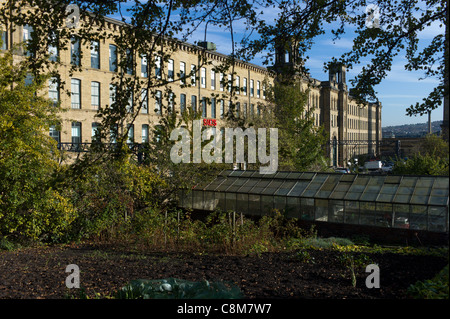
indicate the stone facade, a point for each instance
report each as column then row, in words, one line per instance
column 353, row 129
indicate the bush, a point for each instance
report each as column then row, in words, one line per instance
column 436, row 288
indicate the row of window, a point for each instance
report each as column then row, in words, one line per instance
column 76, row 136
column 96, row 90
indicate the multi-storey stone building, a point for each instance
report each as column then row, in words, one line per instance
column 353, row 129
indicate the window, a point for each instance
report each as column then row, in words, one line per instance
column 258, row 89
column 113, row 133
column 130, row 102
column 182, row 103
column 144, row 101
column 75, row 94
column 53, row 47
column 213, row 107
column 53, row 90
column 144, row 70
column 129, row 62
column 95, row 95
column 75, row 51
column 213, row 80
column 171, row 102
column 203, row 78
column 95, row 56
column 251, row 88
column 238, row 109
column 158, row 102
column 95, row 132
column 112, row 58
column 204, row 106
column 130, row 137
column 55, row 134
column 194, row 103
column 252, row 110
column 27, row 32
column 222, row 108
column 183, row 72
column 144, row 133
column 245, row 110
column 238, row 85
column 193, row 77
column 170, row 73
column 229, row 84
column 245, row 86
column 158, row 67
column 4, row 35
column 76, row 132
column 221, row 81
column 112, row 94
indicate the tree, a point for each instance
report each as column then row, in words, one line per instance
column 30, row 207
column 300, row 143
column 396, row 32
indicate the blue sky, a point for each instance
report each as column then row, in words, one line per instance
column 397, row 91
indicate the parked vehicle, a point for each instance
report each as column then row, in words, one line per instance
column 373, row 165
column 344, row 170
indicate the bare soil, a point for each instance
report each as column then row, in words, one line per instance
column 40, row 273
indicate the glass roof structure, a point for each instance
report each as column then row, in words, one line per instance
column 419, row 202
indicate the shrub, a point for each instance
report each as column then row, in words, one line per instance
column 436, row 288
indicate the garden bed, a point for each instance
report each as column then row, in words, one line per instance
column 308, row 273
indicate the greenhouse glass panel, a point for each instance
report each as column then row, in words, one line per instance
column 254, row 204
column 387, row 193
column 227, row 183
column 221, row 201
column 341, row 190
column 197, row 199
column 285, row 188
column 266, row 205
column 298, row 189
column 355, row 191
column 418, row 217
column 307, row 208
column 230, row 201
column 216, row 183
column 294, row 175
column 328, row 186
column 321, row 212
column 437, row 219
column 210, row 201
column 245, row 188
column 279, row 202
column 236, row 185
column 372, row 189
column 307, row 176
column 351, row 212
column 336, row 211
column 367, row 211
column 314, row 186
column 422, row 191
column 242, row 203
column 260, row 186
column 293, row 207
column 281, row 175
column 383, row 217
column 272, row 187
column 401, row 216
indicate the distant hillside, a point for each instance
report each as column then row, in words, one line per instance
column 411, row 130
